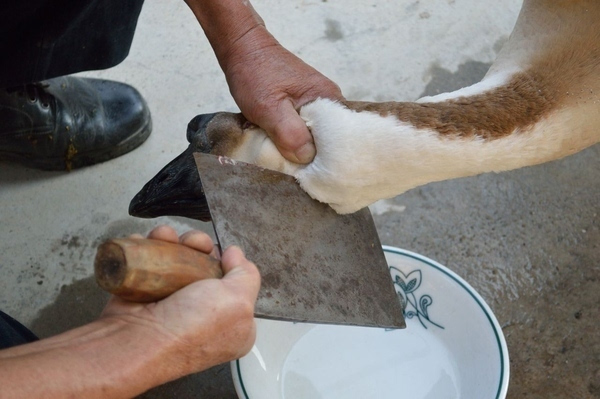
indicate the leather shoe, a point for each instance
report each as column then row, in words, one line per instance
column 67, row 122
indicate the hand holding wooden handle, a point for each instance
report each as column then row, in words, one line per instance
column 147, row 270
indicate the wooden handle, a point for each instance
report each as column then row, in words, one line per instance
column 145, row 270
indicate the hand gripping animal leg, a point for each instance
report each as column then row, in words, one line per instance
column 539, row 101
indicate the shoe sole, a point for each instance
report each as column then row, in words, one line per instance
column 81, row 159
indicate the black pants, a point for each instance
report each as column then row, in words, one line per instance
column 13, row 333
column 42, row 39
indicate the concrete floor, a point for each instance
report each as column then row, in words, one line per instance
column 528, row 240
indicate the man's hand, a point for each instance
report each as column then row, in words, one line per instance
column 268, row 83
column 134, row 347
column 211, row 321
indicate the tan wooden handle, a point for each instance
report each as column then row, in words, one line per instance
column 146, row 270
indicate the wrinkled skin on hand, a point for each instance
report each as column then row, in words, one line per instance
column 209, row 321
column 270, row 84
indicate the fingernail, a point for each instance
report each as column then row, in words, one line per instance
column 306, row 153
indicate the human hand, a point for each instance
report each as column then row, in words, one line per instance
column 208, row 322
column 267, row 82
column 270, row 84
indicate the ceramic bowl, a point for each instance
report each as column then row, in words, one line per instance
column 452, row 347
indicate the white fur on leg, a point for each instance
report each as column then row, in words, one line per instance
column 359, row 156
column 363, row 157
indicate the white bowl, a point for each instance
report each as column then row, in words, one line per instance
column 452, row 347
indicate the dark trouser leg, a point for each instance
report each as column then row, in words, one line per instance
column 13, row 333
column 42, row 39
column 67, row 122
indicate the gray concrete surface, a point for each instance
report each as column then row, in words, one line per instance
column 527, row 240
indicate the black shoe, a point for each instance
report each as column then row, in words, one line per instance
column 66, row 123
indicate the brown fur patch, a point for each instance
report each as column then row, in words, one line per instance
column 565, row 75
column 495, row 114
column 225, row 132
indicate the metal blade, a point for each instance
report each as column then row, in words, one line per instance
column 316, row 266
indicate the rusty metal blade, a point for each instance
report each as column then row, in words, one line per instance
column 316, row 266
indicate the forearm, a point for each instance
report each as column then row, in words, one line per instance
column 134, row 347
column 104, row 359
column 231, row 26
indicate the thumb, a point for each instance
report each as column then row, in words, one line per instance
column 240, row 273
column 290, row 134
